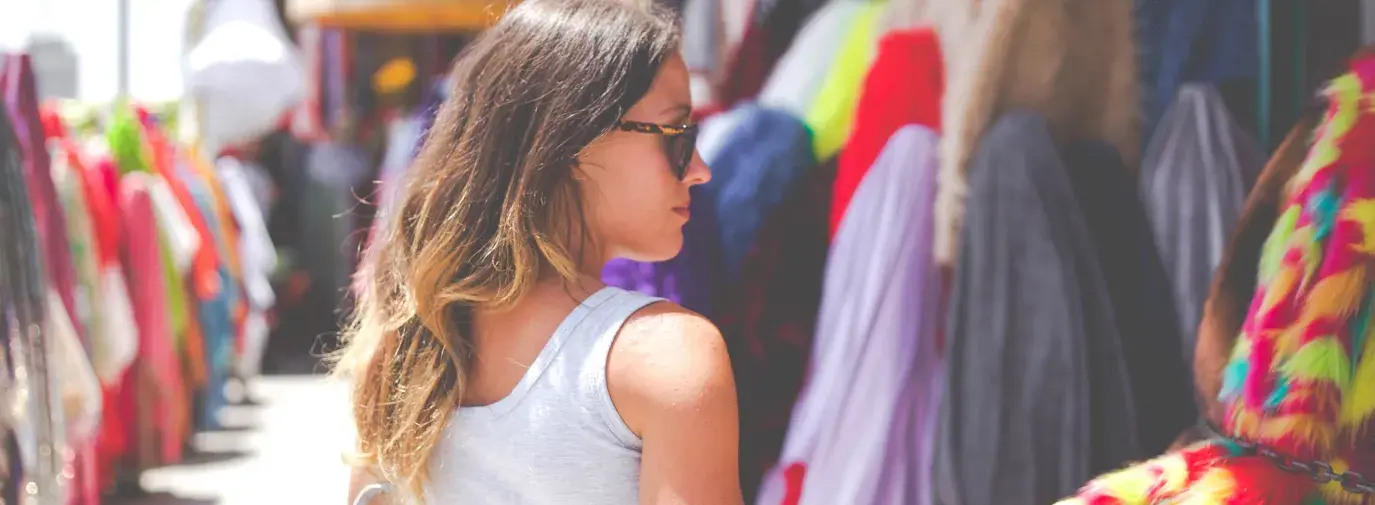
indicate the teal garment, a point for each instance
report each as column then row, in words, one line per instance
column 216, row 315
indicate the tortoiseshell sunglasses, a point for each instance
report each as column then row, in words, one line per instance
column 680, row 142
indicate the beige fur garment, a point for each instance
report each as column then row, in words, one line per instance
column 1073, row 61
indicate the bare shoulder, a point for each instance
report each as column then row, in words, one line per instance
column 668, row 359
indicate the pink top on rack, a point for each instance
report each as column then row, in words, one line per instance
column 144, row 268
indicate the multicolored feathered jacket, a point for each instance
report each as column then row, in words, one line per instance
column 1300, row 383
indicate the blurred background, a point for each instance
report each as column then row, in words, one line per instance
column 187, row 185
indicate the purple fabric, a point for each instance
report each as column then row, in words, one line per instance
column 691, row 278
column 875, row 361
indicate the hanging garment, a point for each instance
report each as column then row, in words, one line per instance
column 214, row 316
column 797, row 78
column 767, row 37
column 21, row 100
column 74, row 383
column 756, row 167
column 228, row 240
column 1192, row 41
column 33, row 413
column 75, row 390
column 1300, row 378
column 1234, row 282
column 159, row 371
column 165, row 161
column 690, row 279
column 85, row 253
column 1140, row 292
column 1037, row 395
column 258, row 258
column 904, row 86
column 832, row 115
column 864, row 425
column 1194, row 178
column 769, row 320
column 81, row 240
column 112, row 340
column 1073, row 61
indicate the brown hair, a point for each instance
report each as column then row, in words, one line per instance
column 489, row 206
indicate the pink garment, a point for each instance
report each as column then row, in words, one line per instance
column 144, row 268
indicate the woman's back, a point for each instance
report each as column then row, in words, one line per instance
column 557, row 437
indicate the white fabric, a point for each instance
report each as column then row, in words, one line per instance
column 77, row 386
column 257, row 257
column 182, row 238
column 244, row 73
column 798, row 76
column 117, row 347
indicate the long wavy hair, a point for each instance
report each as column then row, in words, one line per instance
column 489, row 207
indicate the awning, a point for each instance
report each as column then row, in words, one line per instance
column 400, row 15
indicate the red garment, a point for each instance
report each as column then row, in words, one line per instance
column 904, row 86
column 112, row 443
column 793, row 477
column 157, row 379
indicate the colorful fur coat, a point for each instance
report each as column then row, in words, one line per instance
column 1301, row 377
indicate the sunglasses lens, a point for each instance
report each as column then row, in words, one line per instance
column 681, row 149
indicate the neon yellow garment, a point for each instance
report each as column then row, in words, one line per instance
column 832, row 116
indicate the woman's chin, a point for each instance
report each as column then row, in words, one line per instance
column 663, row 250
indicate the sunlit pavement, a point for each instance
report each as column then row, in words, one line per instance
column 287, row 449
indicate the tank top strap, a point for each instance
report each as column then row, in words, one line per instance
column 601, row 330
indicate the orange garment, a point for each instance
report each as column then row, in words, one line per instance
column 193, row 354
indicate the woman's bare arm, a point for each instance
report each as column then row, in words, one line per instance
column 671, row 380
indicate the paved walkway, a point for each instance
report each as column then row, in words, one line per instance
column 286, row 449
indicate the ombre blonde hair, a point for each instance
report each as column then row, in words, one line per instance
column 489, row 206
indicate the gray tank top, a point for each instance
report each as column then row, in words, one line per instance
column 557, row 438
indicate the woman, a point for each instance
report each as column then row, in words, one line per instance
column 490, row 364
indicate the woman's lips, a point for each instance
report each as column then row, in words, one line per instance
column 683, row 211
